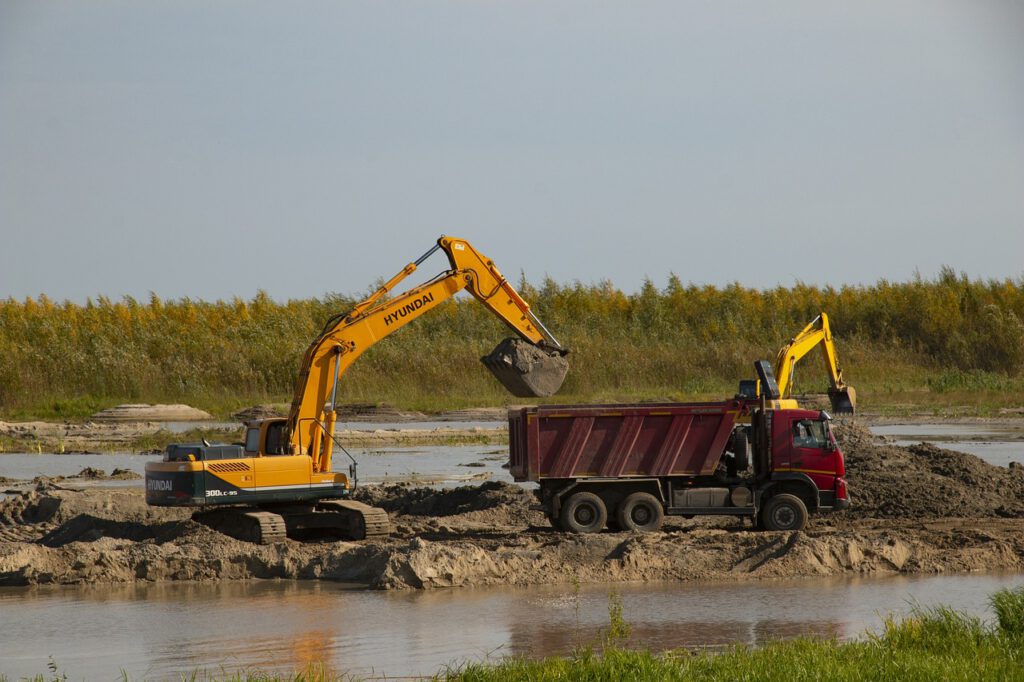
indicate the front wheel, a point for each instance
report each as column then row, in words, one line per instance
column 641, row 512
column 584, row 513
column 784, row 512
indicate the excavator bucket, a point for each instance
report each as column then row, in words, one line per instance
column 526, row 370
column 844, row 400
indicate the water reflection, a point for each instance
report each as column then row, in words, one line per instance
column 157, row 631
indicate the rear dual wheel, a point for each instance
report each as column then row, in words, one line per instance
column 583, row 513
column 640, row 512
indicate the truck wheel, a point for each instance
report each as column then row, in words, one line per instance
column 640, row 511
column 784, row 512
column 584, row 513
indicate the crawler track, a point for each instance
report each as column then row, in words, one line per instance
column 259, row 527
column 363, row 521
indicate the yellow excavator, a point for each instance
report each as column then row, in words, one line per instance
column 817, row 334
column 281, row 481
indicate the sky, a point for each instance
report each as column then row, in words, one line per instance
column 216, row 149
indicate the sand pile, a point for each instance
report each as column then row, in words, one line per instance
column 916, row 510
column 924, row 481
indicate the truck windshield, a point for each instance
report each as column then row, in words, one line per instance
column 810, row 434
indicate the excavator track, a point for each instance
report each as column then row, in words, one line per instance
column 259, row 527
column 364, row 522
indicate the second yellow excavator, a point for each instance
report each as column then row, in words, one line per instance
column 817, row 334
column 281, row 480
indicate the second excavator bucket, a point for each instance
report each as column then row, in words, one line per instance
column 844, row 400
column 526, row 370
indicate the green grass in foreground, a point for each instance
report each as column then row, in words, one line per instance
column 935, row 643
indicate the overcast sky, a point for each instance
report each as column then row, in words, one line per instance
column 212, row 149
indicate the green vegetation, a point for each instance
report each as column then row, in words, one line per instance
column 949, row 343
column 931, row 644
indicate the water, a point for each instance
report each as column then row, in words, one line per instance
column 443, row 464
column 428, row 464
column 998, row 445
column 158, row 631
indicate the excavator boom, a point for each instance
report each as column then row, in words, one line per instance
column 534, row 368
column 816, row 334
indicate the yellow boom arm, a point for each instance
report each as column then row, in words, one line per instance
column 817, row 333
column 345, row 337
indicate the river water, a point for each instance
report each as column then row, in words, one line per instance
column 454, row 464
column 427, row 464
column 159, row 631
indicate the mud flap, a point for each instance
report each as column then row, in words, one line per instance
column 844, row 401
column 526, row 370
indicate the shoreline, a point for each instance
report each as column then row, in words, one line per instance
column 150, row 437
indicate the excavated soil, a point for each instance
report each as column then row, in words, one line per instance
column 916, row 510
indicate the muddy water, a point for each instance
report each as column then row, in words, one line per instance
column 157, row 631
column 426, row 464
column 995, row 445
column 448, row 464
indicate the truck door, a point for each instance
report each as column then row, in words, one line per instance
column 813, row 451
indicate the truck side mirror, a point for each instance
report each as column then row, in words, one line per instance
column 830, row 445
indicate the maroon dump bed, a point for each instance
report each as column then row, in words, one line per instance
column 578, row 441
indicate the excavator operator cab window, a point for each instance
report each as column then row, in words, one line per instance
column 808, row 433
column 252, row 440
column 275, row 439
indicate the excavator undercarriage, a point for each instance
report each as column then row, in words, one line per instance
column 326, row 519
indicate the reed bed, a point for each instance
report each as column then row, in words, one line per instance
column 947, row 340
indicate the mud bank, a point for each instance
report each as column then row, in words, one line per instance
column 917, row 510
column 147, row 437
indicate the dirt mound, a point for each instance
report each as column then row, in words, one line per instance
column 146, row 413
column 259, row 412
column 400, row 499
column 93, row 474
column 924, row 481
column 372, row 412
column 484, row 535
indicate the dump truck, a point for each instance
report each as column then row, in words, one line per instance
column 281, row 481
column 628, row 466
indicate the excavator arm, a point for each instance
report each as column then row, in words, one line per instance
column 816, row 334
column 310, row 424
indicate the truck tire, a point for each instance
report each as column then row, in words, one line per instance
column 583, row 513
column 784, row 512
column 641, row 512
column 741, row 450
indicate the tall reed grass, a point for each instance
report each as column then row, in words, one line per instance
column 947, row 335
